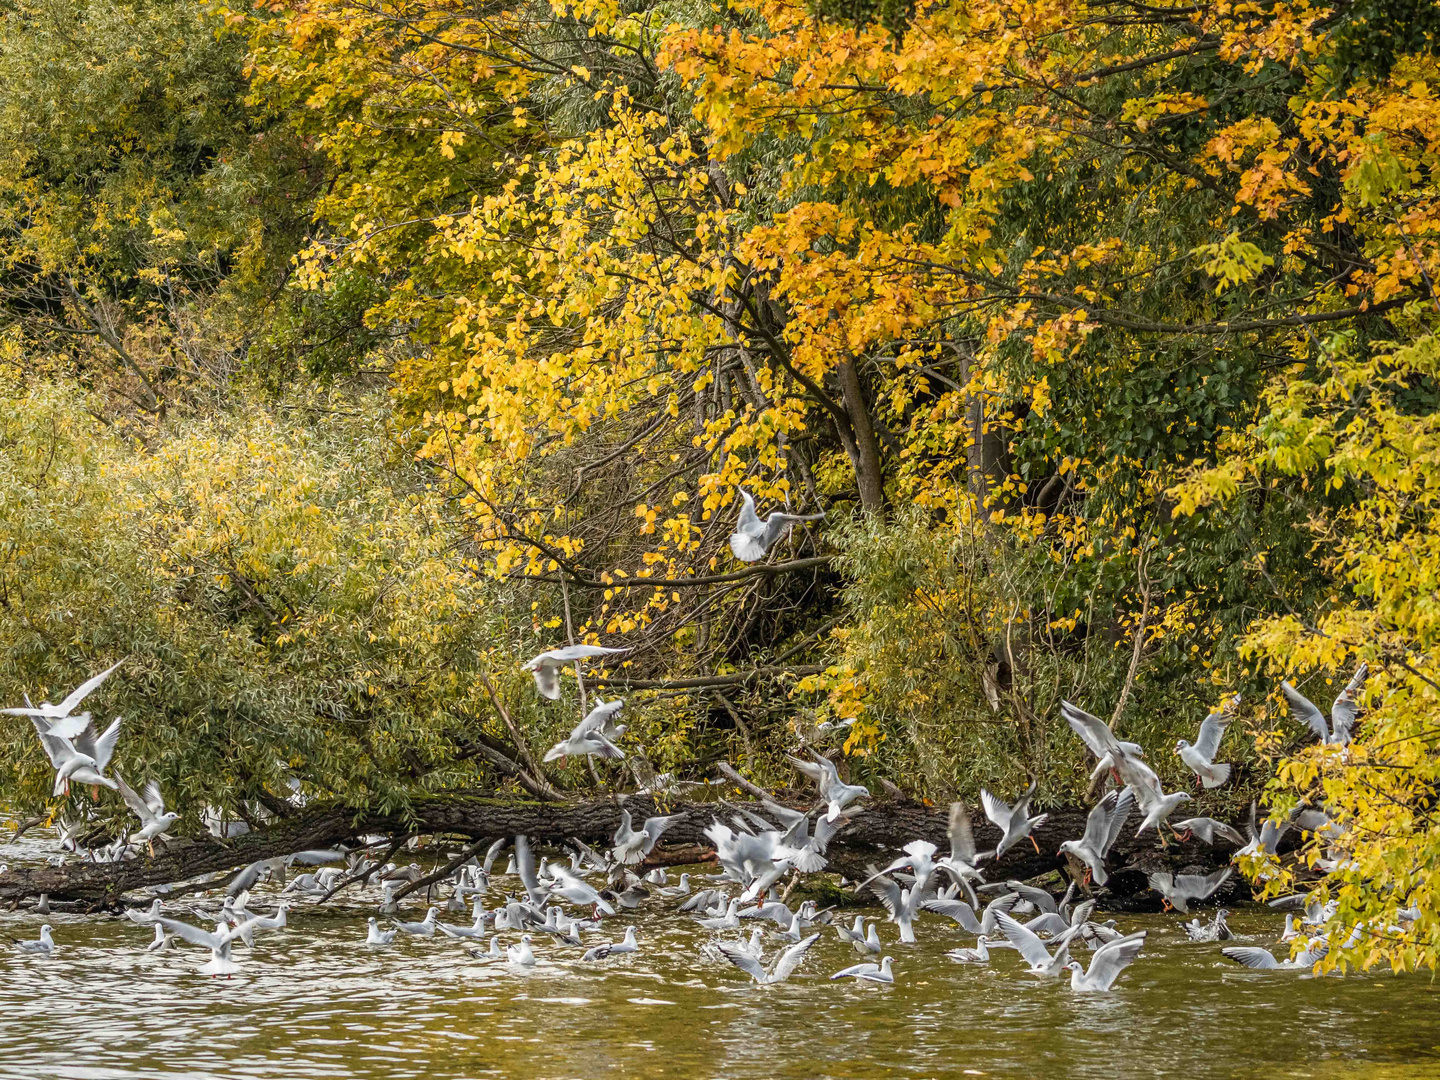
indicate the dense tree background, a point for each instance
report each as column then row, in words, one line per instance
column 353, row 352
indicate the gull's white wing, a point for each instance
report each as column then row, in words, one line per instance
column 997, row 811
column 83, row 691
column 962, row 838
column 1252, row 956
column 194, row 934
column 579, row 652
column 154, row 799
column 744, row 961
column 1347, row 705
column 101, row 748
column 134, row 801
column 1304, row 710
column 1026, row 943
column 791, row 957
column 1119, row 814
column 1212, row 730
column 1114, row 957
column 56, row 749
column 70, row 726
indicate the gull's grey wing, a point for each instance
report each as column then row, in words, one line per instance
column 525, row 866
column 1114, row 957
column 958, row 910
column 1022, row 804
column 744, row 961
column 1119, row 814
column 1026, row 943
column 1097, row 823
column 1042, row 900
column 1093, row 731
column 962, row 838
column 1252, row 956
column 810, row 769
column 193, row 934
column 886, row 890
column 81, row 692
column 1197, row 886
column 1212, row 730
column 597, row 717
column 1347, row 705
column 1304, row 710
column 791, row 957
column 134, row 801
column 655, row 827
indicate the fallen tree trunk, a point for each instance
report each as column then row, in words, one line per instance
column 874, row 834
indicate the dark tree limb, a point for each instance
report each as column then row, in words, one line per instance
column 873, row 830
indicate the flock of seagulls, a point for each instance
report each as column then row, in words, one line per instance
column 761, row 853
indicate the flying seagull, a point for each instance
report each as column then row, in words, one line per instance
column 81, row 758
column 58, row 721
column 1200, row 758
column 1336, row 730
column 546, row 667
column 1102, row 829
column 1014, row 822
column 753, row 538
column 155, row 820
column 837, row 795
column 1105, row 966
column 592, row 735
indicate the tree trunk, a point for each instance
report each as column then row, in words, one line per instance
column 864, row 450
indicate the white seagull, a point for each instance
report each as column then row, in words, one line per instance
column 753, row 538
column 45, row 944
column 1102, row 829
column 81, row 758
column 879, row 973
column 155, row 820
column 58, row 721
column 837, row 794
column 784, row 966
column 546, row 667
column 1200, row 757
column 1014, row 822
column 1105, row 966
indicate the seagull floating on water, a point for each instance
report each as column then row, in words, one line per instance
column 878, row 973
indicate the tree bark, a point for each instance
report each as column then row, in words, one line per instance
column 863, row 448
column 872, row 835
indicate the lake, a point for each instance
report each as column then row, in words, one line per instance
column 313, row 1001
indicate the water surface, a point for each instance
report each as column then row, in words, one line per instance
column 313, row 1001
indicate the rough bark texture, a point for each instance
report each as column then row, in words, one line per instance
column 873, row 835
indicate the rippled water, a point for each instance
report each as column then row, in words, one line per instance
column 313, row 1001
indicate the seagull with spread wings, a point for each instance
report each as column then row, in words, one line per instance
column 752, row 539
